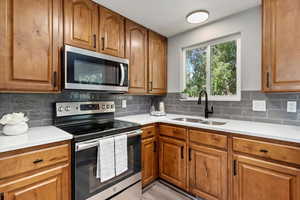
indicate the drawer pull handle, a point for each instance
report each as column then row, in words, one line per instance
column 38, row 161
column 149, row 132
column 264, row 151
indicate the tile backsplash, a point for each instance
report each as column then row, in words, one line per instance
column 40, row 107
column 276, row 105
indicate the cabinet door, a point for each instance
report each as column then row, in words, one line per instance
column 81, row 23
column 149, row 160
column 281, row 46
column 112, row 37
column 208, row 172
column 137, row 53
column 172, row 161
column 30, row 41
column 51, row 184
column 261, row 180
column 157, row 64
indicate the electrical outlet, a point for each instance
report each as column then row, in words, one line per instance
column 259, row 105
column 291, row 106
column 124, row 103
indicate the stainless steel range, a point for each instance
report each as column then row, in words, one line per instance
column 90, row 122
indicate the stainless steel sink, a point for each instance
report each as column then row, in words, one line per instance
column 193, row 120
column 213, row 123
column 206, row 122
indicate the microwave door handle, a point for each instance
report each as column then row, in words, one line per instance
column 122, row 74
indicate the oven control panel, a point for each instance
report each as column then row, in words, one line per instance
column 82, row 108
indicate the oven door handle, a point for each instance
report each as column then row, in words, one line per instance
column 122, row 74
column 88, row 145
column 93, row 143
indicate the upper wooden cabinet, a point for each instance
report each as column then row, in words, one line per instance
column 256, row 179
column 172, row 161
column 112, row 36
column 281, row 46
column 81, row 23
column 30, row 41
column 137, row 53
column 157, row 63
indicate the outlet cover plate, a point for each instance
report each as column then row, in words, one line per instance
column 124, row 103
column 291, row 106
column 259, row 105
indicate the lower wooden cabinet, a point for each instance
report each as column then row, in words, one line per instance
column 208, row 172
column 198, row 162
column 50, row 184
column 262, row 180
column 49, row 179
column 149, row 160
column 172, row 161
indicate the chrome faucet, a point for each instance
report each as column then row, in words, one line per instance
column 206, row 111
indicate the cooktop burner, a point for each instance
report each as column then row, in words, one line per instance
column 97, row 127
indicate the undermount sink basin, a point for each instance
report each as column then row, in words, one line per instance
column 213, row 123
column 189, row 120
column 206, row 122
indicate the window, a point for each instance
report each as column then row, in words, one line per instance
column 214, row 67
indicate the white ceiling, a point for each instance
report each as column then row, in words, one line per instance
column 167, row 17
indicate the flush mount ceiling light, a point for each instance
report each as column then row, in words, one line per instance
column 197, row 17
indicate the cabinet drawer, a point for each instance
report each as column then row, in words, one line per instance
column 33, row 160
column 206, row 138
column 148, row 131
column 172, row 131
column 273, row 151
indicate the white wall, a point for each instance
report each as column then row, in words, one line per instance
column 247, row 23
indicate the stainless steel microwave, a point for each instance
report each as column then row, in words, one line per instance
column 89, row 70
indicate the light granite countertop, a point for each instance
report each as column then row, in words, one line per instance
column 34, row 137
column 265, row 130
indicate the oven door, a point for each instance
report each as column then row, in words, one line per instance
column 87, row 186
column 88, row 70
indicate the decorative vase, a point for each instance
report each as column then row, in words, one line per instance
column 15, row 129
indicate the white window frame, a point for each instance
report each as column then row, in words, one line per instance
column 237, row 97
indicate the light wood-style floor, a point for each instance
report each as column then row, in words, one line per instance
column 158, row 191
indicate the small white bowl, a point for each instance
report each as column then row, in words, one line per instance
column 15, row 129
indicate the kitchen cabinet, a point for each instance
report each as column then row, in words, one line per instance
column 30, row 42
column 137, row 53
column 149, row 159
column 208, row 172
column 112, row 36
column 149, row 155
column 281, row 46
column 81, row 23
column 40, row 173
column 157, row 72
column 172, row 161
column 50, row 184
column 262, row 180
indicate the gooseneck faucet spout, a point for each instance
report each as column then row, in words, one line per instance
column 206, row 111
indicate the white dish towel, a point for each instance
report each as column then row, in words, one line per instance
column 121, row 154
column 106, row 159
